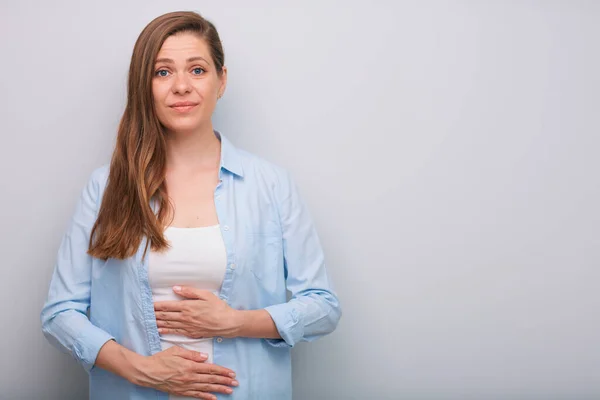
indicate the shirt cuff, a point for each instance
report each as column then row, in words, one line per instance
column 288, row 325
column 88, row 346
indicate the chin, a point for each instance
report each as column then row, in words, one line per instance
column 184, row 126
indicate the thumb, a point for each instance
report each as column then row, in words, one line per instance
column 191, row 292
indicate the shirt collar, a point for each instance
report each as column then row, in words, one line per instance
column 230, row 158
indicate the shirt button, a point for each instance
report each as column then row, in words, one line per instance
column 218, row 197
column 232, row 266
column 225, row 228
column 219, row 339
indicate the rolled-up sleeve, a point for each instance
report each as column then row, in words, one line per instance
column 314, row 309
column 64, row 315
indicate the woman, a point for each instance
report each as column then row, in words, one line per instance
column 183, row 248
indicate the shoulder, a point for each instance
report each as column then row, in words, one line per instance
column 99, row 175
column 270, row 179
column 262, row 169
column 97, row 181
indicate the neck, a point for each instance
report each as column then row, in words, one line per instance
column 193, row 150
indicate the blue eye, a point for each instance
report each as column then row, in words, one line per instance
column 196, row 71
column 162, row 73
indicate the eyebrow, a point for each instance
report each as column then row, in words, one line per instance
column 191, row 59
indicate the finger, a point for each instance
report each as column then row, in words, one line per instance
column 193, row 293
column 178, row 331
column 215, row 379
column 209, row 387
column 213, row 369
column 173, row 306
column 169, row 316
column 171, row 324
column 189, row 354
column 199, row 395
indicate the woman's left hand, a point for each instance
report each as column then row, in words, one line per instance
column 202, row 315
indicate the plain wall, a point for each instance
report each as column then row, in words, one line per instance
column 448, row 151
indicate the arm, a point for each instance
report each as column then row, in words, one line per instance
column 314, row 309
column 119, row 360
column 312, row 312
column 64, row 315
column 255, row 324
column 175, row 370
column 66, row 325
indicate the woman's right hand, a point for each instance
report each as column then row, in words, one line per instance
column 184, row 372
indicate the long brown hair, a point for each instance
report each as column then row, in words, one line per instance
column 137, row 168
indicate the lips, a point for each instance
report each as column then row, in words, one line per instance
column 183, row 106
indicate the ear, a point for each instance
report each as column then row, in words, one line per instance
column 223, row 84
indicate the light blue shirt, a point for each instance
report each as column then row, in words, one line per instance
column 272, row 246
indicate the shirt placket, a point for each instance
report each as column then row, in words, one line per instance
column 223, row 204
column 146, row 298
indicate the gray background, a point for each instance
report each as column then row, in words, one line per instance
column 448, row 152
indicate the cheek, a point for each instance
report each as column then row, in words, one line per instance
column 206, row 90
column 156, row 89
column 160, row 90
column 159, row 99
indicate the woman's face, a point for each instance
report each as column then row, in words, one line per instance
column 186, row 85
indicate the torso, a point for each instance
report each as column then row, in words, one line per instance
column 198, row 258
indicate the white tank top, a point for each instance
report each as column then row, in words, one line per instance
column 197, row 258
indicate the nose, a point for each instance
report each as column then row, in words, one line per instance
column 181, row 84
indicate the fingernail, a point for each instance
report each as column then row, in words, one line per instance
column 232, row 374
column 160, row 330
column 177, row 288
column 203, row 355
column 229, row 390
column 234, row 383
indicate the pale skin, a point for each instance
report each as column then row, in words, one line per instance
column 185, row 72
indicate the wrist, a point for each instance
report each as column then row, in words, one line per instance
column 121, row 361
column 237, row 323
column 135, row 368
column 254, row 324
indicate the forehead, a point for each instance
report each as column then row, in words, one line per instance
column 182, row 46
